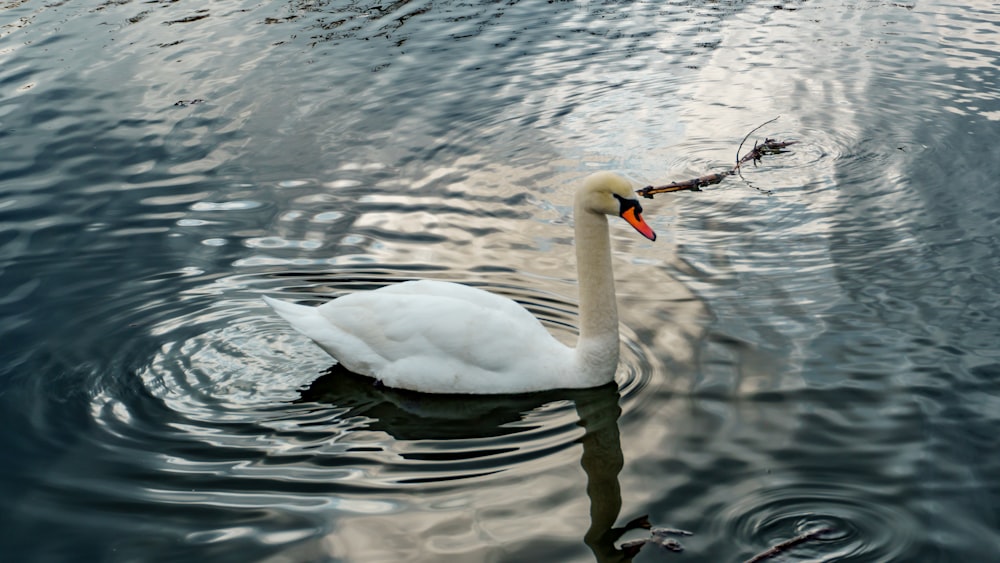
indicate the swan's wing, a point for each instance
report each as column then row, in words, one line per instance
column 447, row 338
column 435, row 337
column 450, row 290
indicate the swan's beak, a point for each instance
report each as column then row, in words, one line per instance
column 633, row 215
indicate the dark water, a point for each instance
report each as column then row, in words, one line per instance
column 817, row 345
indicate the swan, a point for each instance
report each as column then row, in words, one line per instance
column 443, row 337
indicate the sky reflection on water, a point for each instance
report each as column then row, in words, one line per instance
column 819, row 351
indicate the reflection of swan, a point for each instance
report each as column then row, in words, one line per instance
column 409, row 415
column 602, row 460
column 440, row 337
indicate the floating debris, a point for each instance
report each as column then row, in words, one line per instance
column 769, row 146
column 788, row 544
column 658, row 536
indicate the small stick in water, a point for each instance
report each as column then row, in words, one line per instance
column 788, row 544
column 769, row 146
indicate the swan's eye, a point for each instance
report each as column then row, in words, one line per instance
column 626, row 204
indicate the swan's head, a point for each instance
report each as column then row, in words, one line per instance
column 610, row 194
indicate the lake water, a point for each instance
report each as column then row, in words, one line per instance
column 815, row 345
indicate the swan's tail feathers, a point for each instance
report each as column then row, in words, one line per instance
column 308, row 321
column 288, row 311
column 303, row 318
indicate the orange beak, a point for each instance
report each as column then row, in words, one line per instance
column 634, row 218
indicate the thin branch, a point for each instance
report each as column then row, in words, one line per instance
column 769, row 146
column 694, row 184
column 752, row 131
column 788, row 544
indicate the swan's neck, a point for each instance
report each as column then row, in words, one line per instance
column 597, row 349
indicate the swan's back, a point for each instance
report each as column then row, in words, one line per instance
column 436, row 337
column 473, row 296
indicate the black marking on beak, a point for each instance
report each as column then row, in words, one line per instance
column 631, row 211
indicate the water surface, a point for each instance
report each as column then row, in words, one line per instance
column 813, row 345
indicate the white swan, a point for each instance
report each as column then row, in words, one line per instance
column 442, row 337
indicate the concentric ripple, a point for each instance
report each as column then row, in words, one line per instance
column 235, row 378
column 846, row 525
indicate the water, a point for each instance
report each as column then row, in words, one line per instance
column 813, row 346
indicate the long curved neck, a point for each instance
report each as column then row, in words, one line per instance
column 597, row 349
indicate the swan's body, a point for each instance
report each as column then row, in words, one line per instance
column 442, row 337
